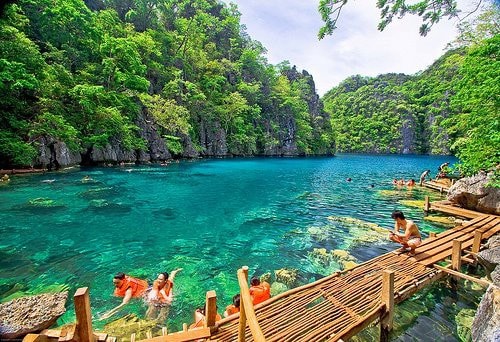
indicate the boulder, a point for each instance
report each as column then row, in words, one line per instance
column 486, row 324
column 26, row 315
column 473, row 193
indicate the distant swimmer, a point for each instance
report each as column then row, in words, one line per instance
column 411, row 182
column 5, row 178
column 86, row 179
column 349, row 179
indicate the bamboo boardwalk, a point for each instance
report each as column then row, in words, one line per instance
column 330, row 308
column 452, row 209
column 442, row 185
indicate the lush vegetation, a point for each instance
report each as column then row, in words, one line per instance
column 101, row 73
column 85, row 72
column 452, row 107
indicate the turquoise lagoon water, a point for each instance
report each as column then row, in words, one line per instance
column 209, row 217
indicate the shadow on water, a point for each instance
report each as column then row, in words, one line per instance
column 165, row 213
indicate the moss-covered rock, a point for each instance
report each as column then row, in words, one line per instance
column 125, row 326
column 286, row 276
column 464, row 323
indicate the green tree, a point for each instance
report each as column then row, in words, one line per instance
column 431, row 11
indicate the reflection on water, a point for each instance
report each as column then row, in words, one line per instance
column 209, row 217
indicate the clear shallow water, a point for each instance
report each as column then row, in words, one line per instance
column 209, row 217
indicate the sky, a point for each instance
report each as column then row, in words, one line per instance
column 288, row 30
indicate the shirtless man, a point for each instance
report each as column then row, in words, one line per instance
column 410, row 238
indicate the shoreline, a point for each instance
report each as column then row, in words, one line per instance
column 22, row 171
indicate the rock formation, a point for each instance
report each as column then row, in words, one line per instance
column 25, row 315
column 473, row 193
column 486, row 324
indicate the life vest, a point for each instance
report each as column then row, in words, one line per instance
column 165, row 291
column 138, row 287
column 260, row 292
column 231, row 309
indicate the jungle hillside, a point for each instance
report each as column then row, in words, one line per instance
column 108, row 81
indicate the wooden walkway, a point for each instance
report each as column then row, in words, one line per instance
column 442, row 185
column 452, row 209
column 332, row 308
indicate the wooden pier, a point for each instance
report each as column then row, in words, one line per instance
column 333, row 308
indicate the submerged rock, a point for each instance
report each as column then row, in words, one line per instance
column 464, row 322
column 286, row 276
column 449, row 221
column 130, row 324
column 31, row 314
column 277, row 288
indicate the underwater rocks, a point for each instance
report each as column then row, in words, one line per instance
column 130, row 324
column 447, row 221
column 31, row 314
column 287, row 276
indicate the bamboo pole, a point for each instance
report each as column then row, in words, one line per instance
column 243, row 317
column 210, row 308
column 482, row 282
column 387, row 294
column 83, row 315
column 456, row 255
column 476, row 245
column 248, row 308
column 427, row 204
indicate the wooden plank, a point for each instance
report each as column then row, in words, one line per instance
column 482, row 282
column 257, row 334
column 242, row 322
column 35, row 338
column 387, row 298
column 210, row 308
column 191, row 335
column 83, row 315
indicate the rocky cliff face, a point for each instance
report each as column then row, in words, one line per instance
column 280, row 137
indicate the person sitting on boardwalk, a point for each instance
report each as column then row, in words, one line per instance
column 161, row 295
column 410, row 238
column 423, row 176
column 443, row 170
column 127, row 287
column 200, row 319
column 233, row 308
column 259, row 291
column 411, row 182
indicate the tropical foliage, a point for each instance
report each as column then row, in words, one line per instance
column 85, row 72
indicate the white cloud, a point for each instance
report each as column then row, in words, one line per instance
column 288, row 30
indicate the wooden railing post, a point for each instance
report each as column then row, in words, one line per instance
column 210, row 309
column 243, row 318
column 83, row 315
column 387, row 298
column 427, row 204
column 456, row 256
column 432, row 235
column 248, row 309
column 476, row 245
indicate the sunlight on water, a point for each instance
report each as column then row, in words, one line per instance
column 209, row 217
